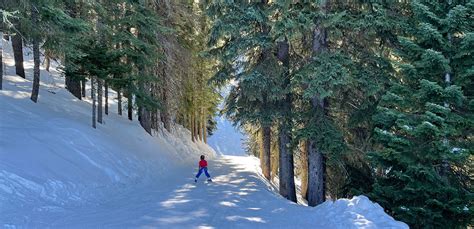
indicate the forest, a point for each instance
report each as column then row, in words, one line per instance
column 342, row 97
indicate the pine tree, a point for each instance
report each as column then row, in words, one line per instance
column 257, row 70
column 424, row 124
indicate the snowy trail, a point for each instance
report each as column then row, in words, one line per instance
column 236, row 198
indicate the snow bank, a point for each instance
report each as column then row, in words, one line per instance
column 358, row 212
column 50, row 155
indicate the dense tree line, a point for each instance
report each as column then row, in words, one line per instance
column 361, row 96
column 148, row 52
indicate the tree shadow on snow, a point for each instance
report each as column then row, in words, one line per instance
column 236, row 198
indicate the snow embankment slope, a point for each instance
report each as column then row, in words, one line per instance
column 50, row 156
column 57, row 171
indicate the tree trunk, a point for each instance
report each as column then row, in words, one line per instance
column 316, row 172
column 17, row 44
column 73, row 84
column 265, row 161
column 192, row 128
column 143, row 113
column 304, row 170
column 36, row 57
column 93, row 101
column 1, row 61
column 83, row 88
column 119, row 104
column 144, row 118
column 99, row 100
column 165, row 114
column 106, row 85
column 199, row 126
column 204, row 129
column 287, row 174
column 47, row 60
column 316, row 167
column 196, row 134
column 130, row 105
column 447, row 79
column 275, row 158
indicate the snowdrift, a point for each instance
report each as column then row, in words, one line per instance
column 57, row 171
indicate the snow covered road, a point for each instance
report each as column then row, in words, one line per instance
column 238, row 198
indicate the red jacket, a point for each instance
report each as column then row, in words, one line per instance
column 202, row 163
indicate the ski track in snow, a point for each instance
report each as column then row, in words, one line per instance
column 58, row 172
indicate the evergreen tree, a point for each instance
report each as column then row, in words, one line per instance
column 246, row 54
column 424, row 121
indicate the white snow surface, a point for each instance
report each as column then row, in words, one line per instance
column 227, row 139
column 57, row 171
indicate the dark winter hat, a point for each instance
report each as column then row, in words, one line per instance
column 202, row 157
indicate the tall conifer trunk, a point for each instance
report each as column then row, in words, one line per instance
column 106, row 107
column 275, row 156
column 83, row 87
column 204, row 128
column 119, row 103
column 93, row 95
column 265, row 160
column 196, row 127
column 316, row 162
column 36, row 56
column 165, row 114
column 192, row 128
column 99, row 100
column 199, row 126
column 73, row 84
column 144, row 118
column 130, row 105
column 17, row 44
column 47, row 60
column 304, row 169
column 287, row 174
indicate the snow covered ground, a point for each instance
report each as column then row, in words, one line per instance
column 56, row 171
column 227, row 139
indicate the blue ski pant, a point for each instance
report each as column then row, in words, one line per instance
column 205, row 171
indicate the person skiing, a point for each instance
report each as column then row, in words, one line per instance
column 203, row 167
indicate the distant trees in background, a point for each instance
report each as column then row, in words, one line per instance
column 362, row 97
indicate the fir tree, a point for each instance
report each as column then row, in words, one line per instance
column 424, row 121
